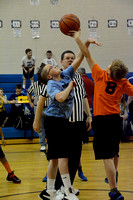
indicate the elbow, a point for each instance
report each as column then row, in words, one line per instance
column 61, row 99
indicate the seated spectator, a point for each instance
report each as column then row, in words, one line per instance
column 17, row 109
column 3, row 113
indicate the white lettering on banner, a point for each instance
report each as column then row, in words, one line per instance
column 15, row 23
column 54, row 23
column 112, row 23
column 129, row 22
column 92, row 24
column 34, row 24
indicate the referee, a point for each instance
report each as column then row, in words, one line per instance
column 36, row 88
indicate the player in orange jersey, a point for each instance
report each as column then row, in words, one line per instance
column 109, row 87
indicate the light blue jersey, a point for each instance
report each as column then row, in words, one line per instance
column 60, row 109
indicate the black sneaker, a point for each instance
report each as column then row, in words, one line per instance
column 11, row 177
column 47, row 194
column 116, row 196
column 106, row 179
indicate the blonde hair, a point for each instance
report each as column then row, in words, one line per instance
column 118, row 70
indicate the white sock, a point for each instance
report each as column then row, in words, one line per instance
column 50, row 184
column 24, row 86
column 66, row 180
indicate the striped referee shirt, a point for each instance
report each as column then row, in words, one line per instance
column 79, row 95
column 37, row 88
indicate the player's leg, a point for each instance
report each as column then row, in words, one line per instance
column 116, row 161
column 110, row 172
column 64, row 171
column 11, row 176
column 50, row 192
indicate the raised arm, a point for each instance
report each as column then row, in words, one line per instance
column 84, row 48
column 76, row 63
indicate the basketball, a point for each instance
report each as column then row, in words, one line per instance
column 68, row 23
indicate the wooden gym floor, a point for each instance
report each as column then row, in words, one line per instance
column 30, row 166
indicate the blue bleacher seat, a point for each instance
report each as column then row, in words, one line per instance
column 8, row 82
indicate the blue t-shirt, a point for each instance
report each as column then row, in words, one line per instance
column 60, row 109
column 14, row 96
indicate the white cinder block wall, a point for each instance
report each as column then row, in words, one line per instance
column 116, row 43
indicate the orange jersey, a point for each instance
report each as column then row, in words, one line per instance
column 108, row 92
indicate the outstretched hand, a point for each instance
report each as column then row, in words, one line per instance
column 74, row 34
column 92, row 41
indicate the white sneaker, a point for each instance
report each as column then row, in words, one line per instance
column 74, row 190
column 70, row 195
column 59, row 195
column 43, row 148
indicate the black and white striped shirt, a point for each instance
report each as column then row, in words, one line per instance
column 37, row 88
column 79, row 95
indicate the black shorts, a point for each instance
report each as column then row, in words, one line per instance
column 107, row 134
column 2, row 155
column 28, row 75
column 3, row 116
column 75, row 139
column 57, row 133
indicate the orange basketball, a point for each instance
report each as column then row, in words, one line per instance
column 68, row 23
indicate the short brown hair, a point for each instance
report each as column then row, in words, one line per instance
column 118, row 70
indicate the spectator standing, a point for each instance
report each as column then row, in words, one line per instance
column 28, row 66
column 49, row 60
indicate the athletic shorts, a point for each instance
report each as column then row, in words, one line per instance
column 2, row 155
column 57, row 133
column 107, row 134
column 3, row 116
column 28, row 75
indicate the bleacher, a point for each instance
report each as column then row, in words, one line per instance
column 8, row 83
